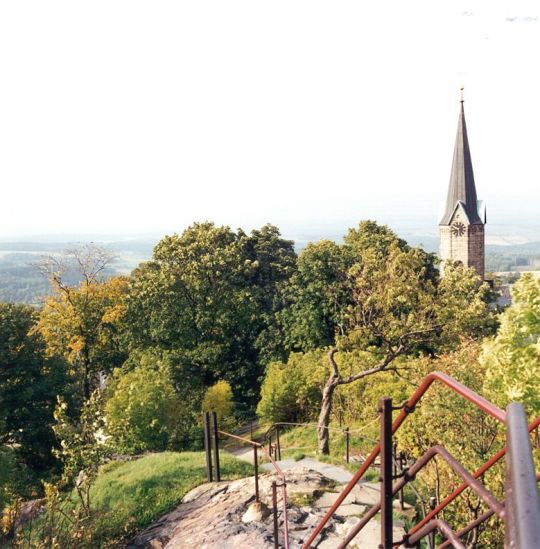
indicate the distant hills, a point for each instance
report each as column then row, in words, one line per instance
column 21, row 282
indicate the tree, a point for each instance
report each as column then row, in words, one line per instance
column 83, row 323
column 399, row 306
column 317, row 297
column 512, row 357
column 29, row 384
column 206, row 296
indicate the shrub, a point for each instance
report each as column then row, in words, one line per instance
column 219, row 398
column 142, row 411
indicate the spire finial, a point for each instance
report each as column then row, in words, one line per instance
column 461, row 90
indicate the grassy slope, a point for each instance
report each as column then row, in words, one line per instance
column 146, row 488
column 127, row 497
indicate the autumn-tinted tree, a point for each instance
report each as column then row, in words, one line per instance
column 469, row 434
column 83, row 323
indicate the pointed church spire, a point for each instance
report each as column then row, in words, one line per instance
column 461, row 187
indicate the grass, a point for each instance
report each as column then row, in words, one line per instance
column 126, row 497
column 302, row 441
column 150, row 486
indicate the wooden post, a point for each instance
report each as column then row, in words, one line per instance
column 347, row 444
column 278, row 446
column 216, row 446
column 207, row 445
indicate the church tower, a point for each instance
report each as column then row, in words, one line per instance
column 461, row 229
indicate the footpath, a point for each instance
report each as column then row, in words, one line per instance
column 224, row 515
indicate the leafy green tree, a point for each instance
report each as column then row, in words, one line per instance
column 392, row 303
column 317, row 297
column 512, row 357
column 206, row 296
column 291, row 391
column 29, row 384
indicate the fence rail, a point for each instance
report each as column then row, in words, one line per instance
column 213, row 442
column 521, row 509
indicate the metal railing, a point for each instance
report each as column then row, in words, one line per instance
column 211, row 442
column 520, row 511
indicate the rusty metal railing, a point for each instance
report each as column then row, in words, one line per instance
column 213, row 442
column 525, row 516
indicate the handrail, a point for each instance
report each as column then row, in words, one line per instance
column 479, row 472
column 279, row 472
column 522, row 501
column 476, row 522
column 496, row 506
column 453, row 384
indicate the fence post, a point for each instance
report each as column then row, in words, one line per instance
column 401, row 494
column 278, row 446
column 386, row 473
column 431, row 539
column 274, row 511
column 216, row 446
column 347, row 444
column 270, row 444
column 207, row 446
column 256, row 470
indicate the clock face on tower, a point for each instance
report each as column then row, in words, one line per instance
column 458, row 229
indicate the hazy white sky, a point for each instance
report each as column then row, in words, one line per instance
column 129, row 116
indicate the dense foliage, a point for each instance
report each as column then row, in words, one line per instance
column 209, row 295
column 226, row 321
column 29, row 384
column 512, row 357
column 142, row 410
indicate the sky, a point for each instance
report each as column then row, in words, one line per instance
column 142, row 117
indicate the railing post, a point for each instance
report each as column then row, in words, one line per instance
column 256, row 470
column 270, row 444
column 401, row 495
column 386, row 473
column 274, row 512
column 278, row 446
column 207, row 446
column 216, row 446
column 431, row 539
column 347, row 444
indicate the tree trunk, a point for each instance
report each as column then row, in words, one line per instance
column 324, row 416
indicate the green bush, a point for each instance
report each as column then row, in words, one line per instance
column 142, row 411
column 219, row 398
column 292, row 391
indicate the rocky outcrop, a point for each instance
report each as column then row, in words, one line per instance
column 214, row 515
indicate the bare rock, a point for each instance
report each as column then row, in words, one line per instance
column 256, row 512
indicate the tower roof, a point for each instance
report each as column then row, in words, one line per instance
column 461, row 188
